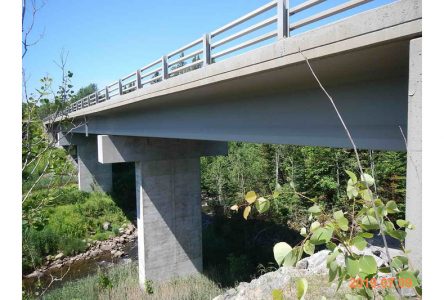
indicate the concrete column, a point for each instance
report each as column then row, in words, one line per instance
column 92, row 175
column 168, row 200
column 414, row 154
column 169, row 218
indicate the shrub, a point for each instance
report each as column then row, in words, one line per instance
column 238, row 266
column 67, row 220
column 100, row 208
column 70, row 246
column 36, row 245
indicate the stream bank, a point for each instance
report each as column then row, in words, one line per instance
column 99, row 254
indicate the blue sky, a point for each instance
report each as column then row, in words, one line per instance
column 109, row 39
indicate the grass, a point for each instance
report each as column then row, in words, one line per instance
column 125, row 285
column 122, row 283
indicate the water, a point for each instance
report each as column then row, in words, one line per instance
column 82, row 268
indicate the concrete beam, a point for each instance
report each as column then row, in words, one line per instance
column 92, row 175
column 414, row 154
column 115, row 149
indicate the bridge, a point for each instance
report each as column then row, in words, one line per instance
column 253, row 85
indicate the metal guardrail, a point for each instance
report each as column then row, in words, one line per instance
column 206, row 50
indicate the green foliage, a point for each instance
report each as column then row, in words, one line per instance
column 103, row 281
column 283, row 169
column 37, row 244
column 149, row 287
column 301, row 288
column 237, row 266
column 84, row 91
column 364, row 214
column 67, row 218
column 71, row 246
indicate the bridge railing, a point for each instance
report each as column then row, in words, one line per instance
column 275, row 20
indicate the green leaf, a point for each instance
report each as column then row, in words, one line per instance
column 392, row 208
column 351, row 266
column 292, row 184
column 250, row 197
column 367, row 179
column 315, row 225
column 397, row 234
column 399, row 262
column 309, row 248
column 352, row 191
column 262, row 205
column 389, row 226
column 301, row 288
column 359, row 242
column 276, row 194
column 367, row 265
column 355, row 297
column 384, row 270
column 332, row 257
column 338, row 214
column 291, row 259
column 352, row 176
column 408, row 274
column 277, row 294
column 247, row 211
column 331, row 246
column 332, row 271
column 366, row 235
column 389, row 297
column 343, row 223
column 321, row 236
column 369, row 223
column 366, row 194
column 303, row 232
column 280, row 251
column 315, row 209
column 404, row 223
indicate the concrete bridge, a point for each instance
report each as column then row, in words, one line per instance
column 190, row 102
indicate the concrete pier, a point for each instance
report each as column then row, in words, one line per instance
column 168, row 200
column 92, row 175
column 414, row 154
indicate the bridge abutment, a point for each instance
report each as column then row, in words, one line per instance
column 168, row 200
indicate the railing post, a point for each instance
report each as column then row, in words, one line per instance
column 120, row 87
column 206, row 49
column 283, row 19
column 138, row 80
column 97, row 97
column 164, row 67
column 106, row 93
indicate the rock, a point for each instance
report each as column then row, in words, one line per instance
column 262, row 287
column 106, row 247
column 59, row 256
column 128, row 232
column 118, row 254
column 121, row 240
column 131, row 228
column 106, row 225
column 35, row 274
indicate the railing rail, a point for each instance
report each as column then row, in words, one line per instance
column 215, row 45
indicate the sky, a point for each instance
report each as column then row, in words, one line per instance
column 109, row 39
